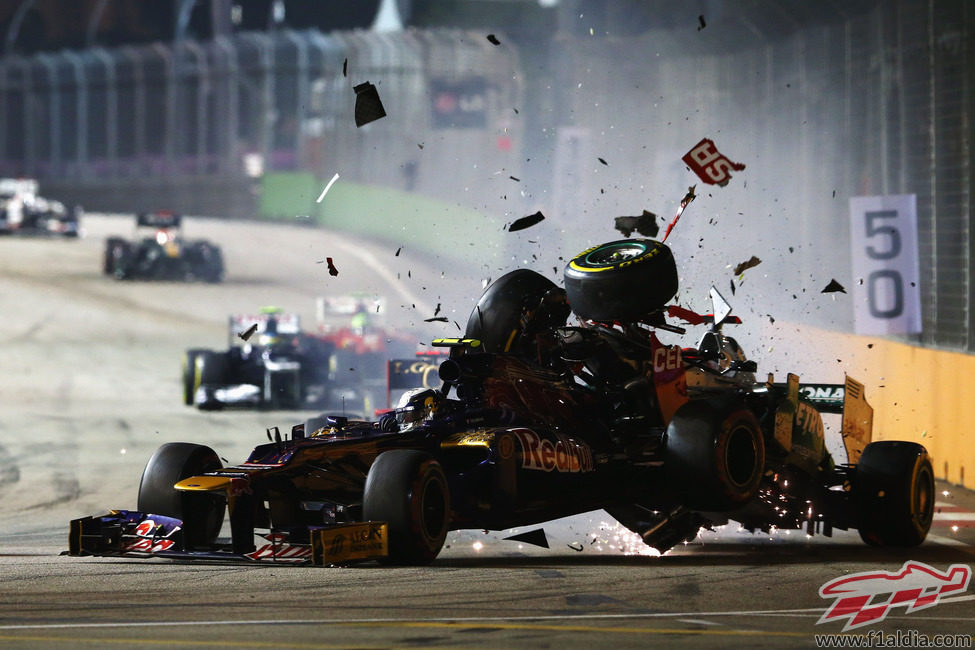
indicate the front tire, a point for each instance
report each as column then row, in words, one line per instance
column 408, row 490
column 201, row 512
column 894, row 493
column 189, row 374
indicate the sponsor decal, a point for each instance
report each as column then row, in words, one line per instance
column 822, row 392
column 279, row 550
column 413, row 373
column 667, row 358
column 562, row 455
column 709, row 164
column 866, row 598
column 350, row 542
column 148, row 545
column 153, row 537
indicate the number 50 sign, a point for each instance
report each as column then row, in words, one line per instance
column 883, row 232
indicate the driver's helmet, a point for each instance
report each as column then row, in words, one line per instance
column 416, row 406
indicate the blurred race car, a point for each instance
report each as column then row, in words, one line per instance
column 165, row 255
column 538, row 420
column 23, row 211
column 272, row 363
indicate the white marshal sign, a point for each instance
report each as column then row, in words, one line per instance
column 886, row 291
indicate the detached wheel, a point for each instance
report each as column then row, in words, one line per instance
column 622, row 280
column 497, row 320
column 200, row 512
column 715, row 455
column 408, row 490
column 894, row 493
column 189, row 374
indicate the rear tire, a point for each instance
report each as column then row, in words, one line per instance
column 715, row 455
column 189, row 374
column 623, row 280
column 408, row 490
column 894, row 493
column 201, row 512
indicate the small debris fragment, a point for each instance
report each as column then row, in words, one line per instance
column 327, row 188
column 833, row 287
column 700, row 23
column 493, row 39
column 602, row 161
column 345, row 68
column 526, row 222
column 709, row 164
column 331, row 267
column 575, row 546
column 744, row 266
column 249, row 333
column 518, row 180
column 368, row 106
column 437, row 319
column 645, row 224
column 690, row 196
column 535, row 537
column 398, row 251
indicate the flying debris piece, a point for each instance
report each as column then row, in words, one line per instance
column 700, row 23
column 686, row 315
column 249, row 333
column 327, row 188
column 645, row 224
column 368, row 106
column 833, row 287
column 709, row 164
column 331, row 267
column 493, row 39
column 732, row 282
column 436, row 311
column 602, row 161
column 744, row 266
column 518, row 180
column 684, row 202
column 575, row 546
column 398, row 251
column 436, row 319
column 535, row 537
column 345, row 68
column 526, row 222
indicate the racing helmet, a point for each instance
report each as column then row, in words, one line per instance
column 416, row 406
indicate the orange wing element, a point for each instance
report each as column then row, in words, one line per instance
column 857, row 428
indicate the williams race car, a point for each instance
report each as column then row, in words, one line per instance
column 535, row 420
column 23, row 211
column 165, row 255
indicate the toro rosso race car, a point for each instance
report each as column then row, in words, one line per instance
column 23, row 211
column 164, row 255
column 537, row 419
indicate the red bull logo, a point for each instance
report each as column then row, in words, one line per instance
column 279, row 550
column 563, row 455
column 865, row 598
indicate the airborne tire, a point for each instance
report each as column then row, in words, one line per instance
column 623, row 280
column 894, row 493
column 408, row 490
column 201, row 512
column 715, row 455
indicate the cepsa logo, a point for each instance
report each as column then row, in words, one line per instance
column 564, row 455
column 709, row 164
column 865, row 598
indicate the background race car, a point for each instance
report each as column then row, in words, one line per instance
column 24, row 211
column 165, row 255
column 271, row 363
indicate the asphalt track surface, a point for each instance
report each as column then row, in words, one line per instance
column 90, row 387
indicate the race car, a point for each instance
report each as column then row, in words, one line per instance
column 271, row 363
column 23, row 211
column 536, row 420
column 165, row 255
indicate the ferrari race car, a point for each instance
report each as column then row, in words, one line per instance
column 271, row 363
column 24, row 211
column 536, row 420
column 165, row 255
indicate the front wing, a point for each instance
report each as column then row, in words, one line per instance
column 129, row 533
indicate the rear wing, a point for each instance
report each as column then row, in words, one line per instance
column 158, row 220
column 241, row 325
column 402, row 375
column 849, row 399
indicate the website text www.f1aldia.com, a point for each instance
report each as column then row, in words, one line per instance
column 895, row 639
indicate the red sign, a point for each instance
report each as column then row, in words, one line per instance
column 709, row 164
